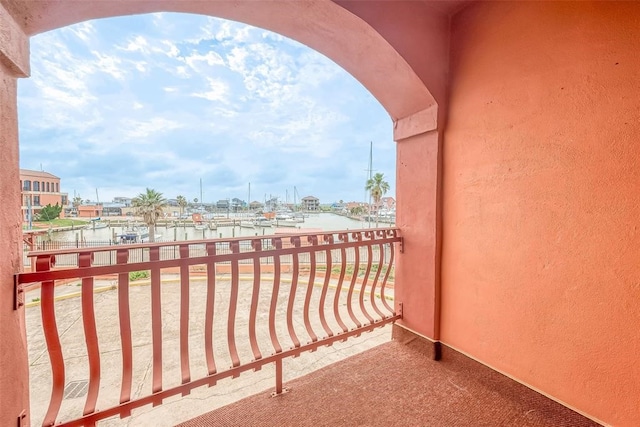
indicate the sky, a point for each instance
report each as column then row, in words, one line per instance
column 167, row 100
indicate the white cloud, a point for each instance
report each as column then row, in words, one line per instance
column 108, row 64
column 196, row 60
column 84, row 30
column 218, row 91
column 137, row 44
column 136, row 129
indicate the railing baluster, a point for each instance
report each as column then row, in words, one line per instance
column 386, row 275
column 328, row 238
column 184, row 315
column 295, row 242
column 233, row 305
column 50, row 329
column 124, row 314
column 90, row 334
column 312, row 277
column 156, row 321
column 354, row 277
column 211, row 295
column 277, row 244
column 257, row 247
column 365, row 279
column 343, row 237
column 377, row 278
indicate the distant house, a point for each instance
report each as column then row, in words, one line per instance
column 237, row 204
column 112, row 209
column 255, row 205
column 271, row 204
column 89, row 211
column 310, row 203
column 222, row 204
column 387, row 203
column 125, row 201
column 40, row 189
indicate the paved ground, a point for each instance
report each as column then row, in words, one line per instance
column 200, row 401
column 397, row 385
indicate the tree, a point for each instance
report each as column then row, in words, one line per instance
column 149, row 205
column 377, row 187
column 49, row 213
column 182, row 202
column 76, row 202
column 356, row 210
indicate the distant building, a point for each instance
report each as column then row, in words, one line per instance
column 40, row 189
column 90, row 211
column 237, row 204
column 387, row 203
column 126, row 201
column 255, row 205
column 310, row 203
column 112, row 209
column 222, row 204
column 271, row 204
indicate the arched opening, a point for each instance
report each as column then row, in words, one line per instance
column 321, row 25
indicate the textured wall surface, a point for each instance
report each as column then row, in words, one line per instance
column 541, row 232
column 14, row 395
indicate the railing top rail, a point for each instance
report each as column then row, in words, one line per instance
column 379, row 232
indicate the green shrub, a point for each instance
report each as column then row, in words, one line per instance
column 137, row 275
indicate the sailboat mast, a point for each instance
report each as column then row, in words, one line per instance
column 200, row 192
column 249, row 198
column 370, row 177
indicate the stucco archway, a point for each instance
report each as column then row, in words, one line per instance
column 323, row 25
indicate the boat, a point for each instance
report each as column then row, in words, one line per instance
column 200, row 226
column 247, row 224
column 292, row 222
column 262, row 221
column 136, row 234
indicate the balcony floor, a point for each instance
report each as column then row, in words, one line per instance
column 398, row 384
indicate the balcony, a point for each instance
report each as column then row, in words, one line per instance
column 105, row 343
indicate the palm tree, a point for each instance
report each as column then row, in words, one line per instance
column 77, row 201
column 182, row 202
column 149, row 205
column 378, row 187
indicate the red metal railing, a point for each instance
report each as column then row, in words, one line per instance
column 313, row 281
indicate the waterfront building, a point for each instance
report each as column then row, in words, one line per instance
column 310, row 203
column 39, row 189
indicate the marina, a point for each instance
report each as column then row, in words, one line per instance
column 119, row 231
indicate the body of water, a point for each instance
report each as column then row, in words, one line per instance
column 321, row 221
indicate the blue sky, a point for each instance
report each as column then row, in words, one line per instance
column 164, row 100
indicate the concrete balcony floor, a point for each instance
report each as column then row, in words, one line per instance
column 398, row 384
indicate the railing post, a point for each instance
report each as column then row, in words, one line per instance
column 279, row 389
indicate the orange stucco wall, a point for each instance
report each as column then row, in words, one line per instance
column 14, row 393
column 541, row 199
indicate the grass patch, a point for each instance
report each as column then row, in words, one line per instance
column 59, row 222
